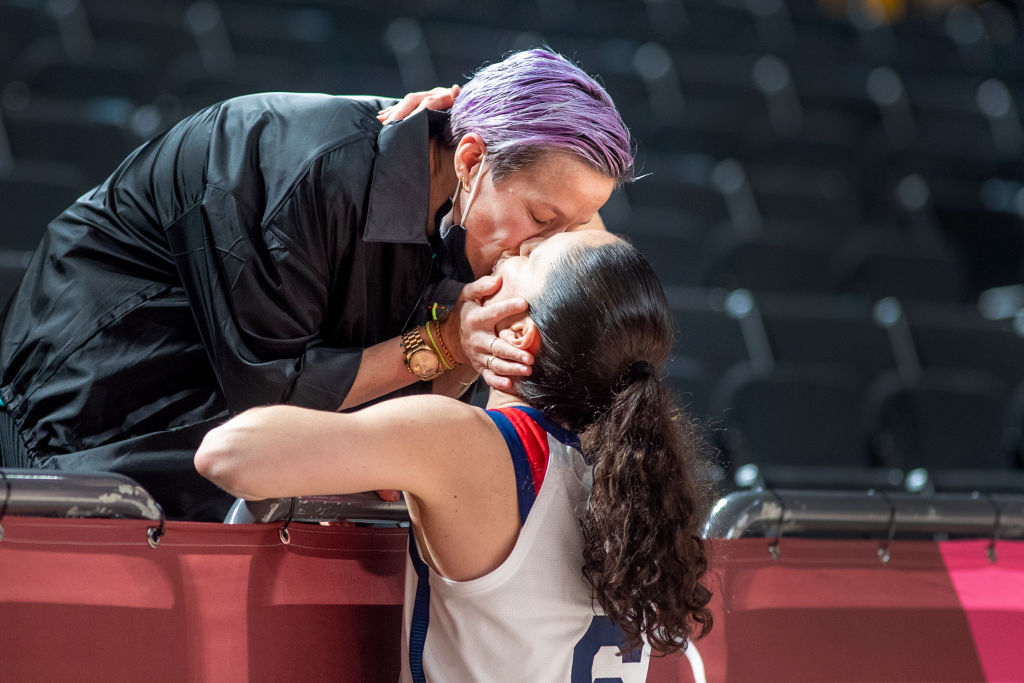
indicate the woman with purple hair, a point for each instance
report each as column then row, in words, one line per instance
column 289, row 248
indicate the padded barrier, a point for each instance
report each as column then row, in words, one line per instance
column 90, row 600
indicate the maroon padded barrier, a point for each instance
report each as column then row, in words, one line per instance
column 89, row 600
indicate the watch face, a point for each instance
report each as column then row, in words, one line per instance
column 424, row 362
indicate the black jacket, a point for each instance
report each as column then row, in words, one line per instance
column 245, row 257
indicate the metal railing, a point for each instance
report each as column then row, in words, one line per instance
column 40, row 493
column 777, row 512
column 37, row 493
column 768, row 512
column 361, row 506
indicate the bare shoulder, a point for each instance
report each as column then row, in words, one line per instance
column 424, row 409
column 431, row 425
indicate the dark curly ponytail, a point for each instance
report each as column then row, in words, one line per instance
column 606, row 332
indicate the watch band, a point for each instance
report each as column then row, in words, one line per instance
column 412, row 343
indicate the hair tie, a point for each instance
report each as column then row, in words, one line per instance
column 639, row 370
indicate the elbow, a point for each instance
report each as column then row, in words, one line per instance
column 208, row 456
column 220, row 458
column 238, row 456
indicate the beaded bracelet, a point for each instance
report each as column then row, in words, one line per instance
column 443, row 356
column 443, row 351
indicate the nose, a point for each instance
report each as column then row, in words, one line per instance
column 529, row 245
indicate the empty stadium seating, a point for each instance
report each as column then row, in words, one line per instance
column 800, row 161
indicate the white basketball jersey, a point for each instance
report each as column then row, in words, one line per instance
column 531, row 619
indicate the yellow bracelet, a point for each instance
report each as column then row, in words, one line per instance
column 433, row 311
column 433, row 343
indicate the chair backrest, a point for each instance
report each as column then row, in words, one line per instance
column 880, row 264
column 29, row 204
column 823, row 329
column 950, row 337
column 766, row 264
column 945, row 419
column 707, row 342
column 795, row 415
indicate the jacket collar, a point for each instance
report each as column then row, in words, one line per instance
column 400, row 186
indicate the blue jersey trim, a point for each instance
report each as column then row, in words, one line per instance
column 567, row 437
column 420, row 612
column 524, row 476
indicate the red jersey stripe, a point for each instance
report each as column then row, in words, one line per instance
column 535, row 443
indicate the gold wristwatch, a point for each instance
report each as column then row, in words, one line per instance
column 421, row 360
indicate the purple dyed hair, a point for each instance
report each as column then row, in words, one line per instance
column 535, row 102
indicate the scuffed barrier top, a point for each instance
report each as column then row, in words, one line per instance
column 44, row 493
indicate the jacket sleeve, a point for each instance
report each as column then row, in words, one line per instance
column 258, row 282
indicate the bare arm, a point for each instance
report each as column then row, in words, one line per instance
column 448, row 456
column 381, row 371
column 406, row 443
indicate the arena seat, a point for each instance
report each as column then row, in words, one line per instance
column 672, row 247
column 21, row 25
column 707, row 342
column 958, row 337
column 822, row 197
column 152, row 31
column 944, row 420
column 119, row 73
column 806, row 414
column 880, row 263
column 680, row 183
column 820, row 329
column 92, row 134
column 790, row 260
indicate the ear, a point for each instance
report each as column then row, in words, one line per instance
column 523, row 334
column 468, row 154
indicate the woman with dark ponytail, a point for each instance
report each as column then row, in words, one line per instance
column 555, row 535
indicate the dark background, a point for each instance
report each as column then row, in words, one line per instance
column 832, row 191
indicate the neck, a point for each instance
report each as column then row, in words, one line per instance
column 442, row 180
column 502, row 399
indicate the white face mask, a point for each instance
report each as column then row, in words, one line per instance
column 447, row 223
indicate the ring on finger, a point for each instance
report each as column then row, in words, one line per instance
column 489, row 359
column 490, row 347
